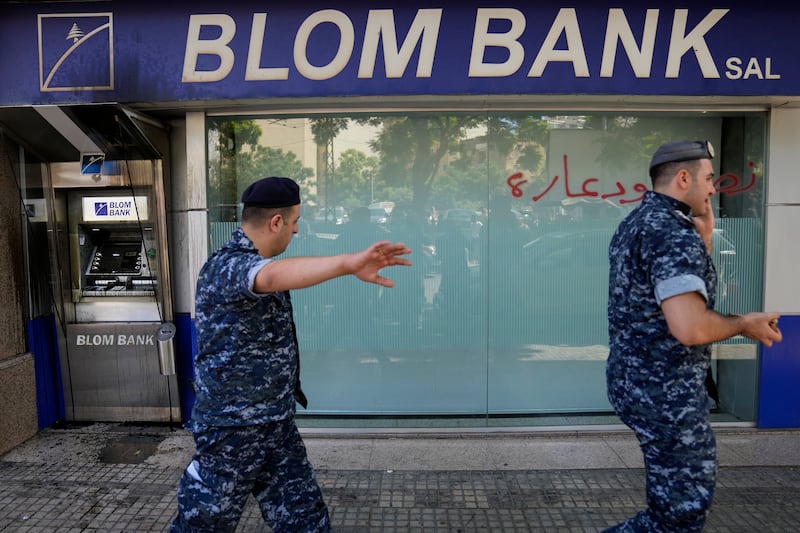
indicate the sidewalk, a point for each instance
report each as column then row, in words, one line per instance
column 122, row 478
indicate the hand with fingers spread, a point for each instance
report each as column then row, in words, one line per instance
column 365, row 265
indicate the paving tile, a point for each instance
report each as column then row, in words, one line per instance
column 569, row 483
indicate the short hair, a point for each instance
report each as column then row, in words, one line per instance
column 663, row 173
column 257, row 215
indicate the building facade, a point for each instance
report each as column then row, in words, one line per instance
column 502, row 143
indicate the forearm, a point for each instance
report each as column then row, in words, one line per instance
column 712, row 327
column 692, row 323
column 299, row 272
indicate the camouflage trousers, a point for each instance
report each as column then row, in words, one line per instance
column 679, row 451
column 268, row 461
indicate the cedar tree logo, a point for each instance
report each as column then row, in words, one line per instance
column 76, row 52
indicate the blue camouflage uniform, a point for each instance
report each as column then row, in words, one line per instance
column 246, row 378
column 655, row 383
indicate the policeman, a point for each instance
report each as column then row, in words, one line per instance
column 247, row 370
column 661, row 323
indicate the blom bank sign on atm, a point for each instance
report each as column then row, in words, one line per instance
column 114, row 208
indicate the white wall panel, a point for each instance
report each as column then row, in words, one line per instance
column 784, row 157
column 782, row 290
column 782, row 284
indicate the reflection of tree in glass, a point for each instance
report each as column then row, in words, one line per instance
column 226, row 139
column 325, row 130
column 414, row 149
column 426, row 159
column 629, row 142
column 355, row 178
column 518, row 142
column 237, row 159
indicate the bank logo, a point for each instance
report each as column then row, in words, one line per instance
column 101, row 209
column 76, row 52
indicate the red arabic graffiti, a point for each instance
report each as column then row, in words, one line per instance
column 734, row 182
column 726, row 183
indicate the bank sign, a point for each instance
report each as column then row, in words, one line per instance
column 121, row 51
column 114, row 208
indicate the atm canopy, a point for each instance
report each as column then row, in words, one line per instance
column 64, row 133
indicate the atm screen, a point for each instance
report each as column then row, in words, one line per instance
column 116, row 258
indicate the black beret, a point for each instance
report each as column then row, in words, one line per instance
column 272, row 192
column 681, row 151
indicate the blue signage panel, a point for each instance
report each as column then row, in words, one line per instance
column 125, row 52
column 779, row 379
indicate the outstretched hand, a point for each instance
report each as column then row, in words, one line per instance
column 366, row 264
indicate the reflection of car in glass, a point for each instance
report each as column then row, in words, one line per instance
column 525, row 218
column 463, row 216
column 563, row 284
column 564, row 294
column 386, row 206
column 468, row 220
column 378, row 215
column 331, row 215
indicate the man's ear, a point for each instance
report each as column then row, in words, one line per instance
column 684, row 178
column 275, row 222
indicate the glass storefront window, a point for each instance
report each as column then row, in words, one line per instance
column 502, row 319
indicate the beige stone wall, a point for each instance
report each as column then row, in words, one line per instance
column 17, row 382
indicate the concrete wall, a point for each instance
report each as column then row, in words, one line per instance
column 17, row 381
column 189, row 237
column 782, row 289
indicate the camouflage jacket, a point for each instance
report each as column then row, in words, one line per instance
column 246, row 368
column 655, row 253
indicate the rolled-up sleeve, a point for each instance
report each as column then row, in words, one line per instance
column 680, row 285
column 251, row 276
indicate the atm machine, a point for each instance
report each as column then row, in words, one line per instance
column 117, row 359
column 102, row 170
